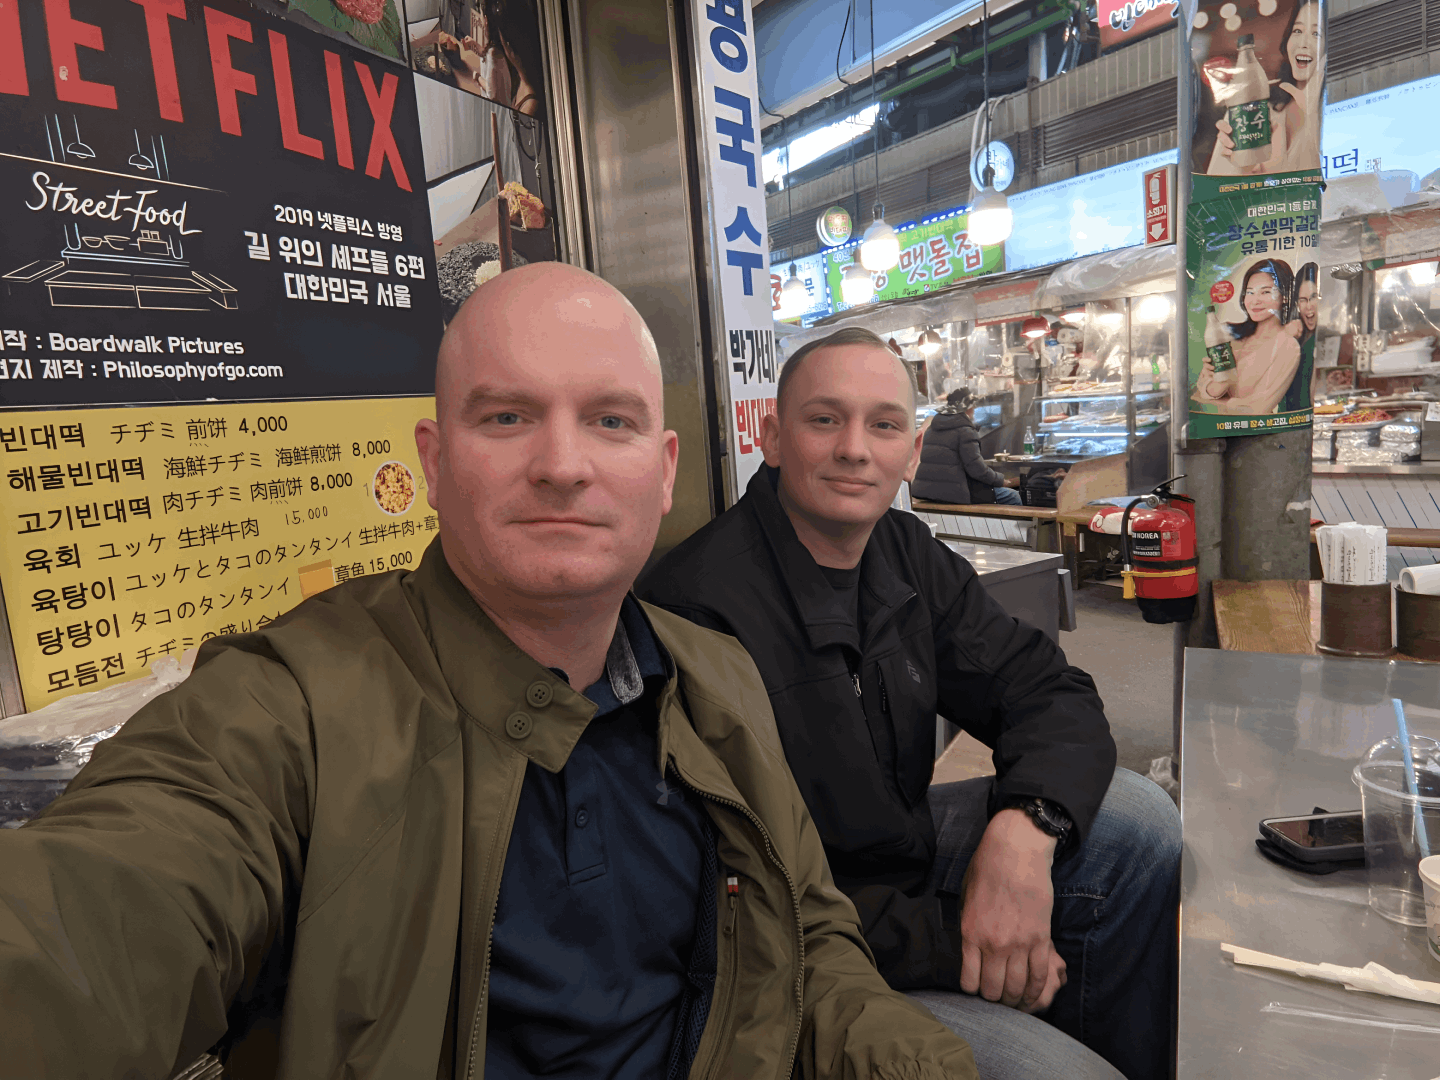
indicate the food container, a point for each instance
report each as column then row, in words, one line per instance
column 1417, row 625
column 1356, row 620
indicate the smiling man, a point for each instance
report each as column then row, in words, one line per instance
column 490, row 818
column 1052, row 888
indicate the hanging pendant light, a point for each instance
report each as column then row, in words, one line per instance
column 929, row 343
column 856, row 285
column 880, row 247
column 793, row 298
column 991, row 219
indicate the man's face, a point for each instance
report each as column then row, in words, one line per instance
column 845, row 437
column 550, row 468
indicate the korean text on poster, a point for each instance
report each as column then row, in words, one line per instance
column 1252, row 348
column 130, row 534
column 207, row 202
column 730, row 111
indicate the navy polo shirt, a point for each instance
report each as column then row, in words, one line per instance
column 603, row 955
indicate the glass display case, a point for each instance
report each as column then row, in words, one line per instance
column 1104, row 375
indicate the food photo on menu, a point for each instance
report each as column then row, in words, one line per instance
column 376, row 25
column 1262, row 88
column 490, row 48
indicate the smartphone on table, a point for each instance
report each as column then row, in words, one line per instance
column 1318, row 837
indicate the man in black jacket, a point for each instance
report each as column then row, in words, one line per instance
column 1051, row 888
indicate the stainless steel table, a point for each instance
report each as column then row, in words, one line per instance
column 1027, row 584
column 1265, row 736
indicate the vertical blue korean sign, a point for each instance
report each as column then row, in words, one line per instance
column 728, row 99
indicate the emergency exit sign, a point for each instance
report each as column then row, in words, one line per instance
column 1160, row 206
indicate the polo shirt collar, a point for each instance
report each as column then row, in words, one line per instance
column 496, row 683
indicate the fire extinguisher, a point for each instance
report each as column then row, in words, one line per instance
column 1157, row 550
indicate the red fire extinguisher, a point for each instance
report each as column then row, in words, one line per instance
column 1157, row 546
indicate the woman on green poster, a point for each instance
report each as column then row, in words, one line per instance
column 1267, row 356
column 1306, row 308
column 1295, row 102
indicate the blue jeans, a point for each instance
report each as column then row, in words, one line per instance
column 1115, row 925
column 1007, row 496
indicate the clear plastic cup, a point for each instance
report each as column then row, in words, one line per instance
column 1401, row 827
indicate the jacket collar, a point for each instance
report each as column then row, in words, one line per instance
column 495, row 681
column 881, row 589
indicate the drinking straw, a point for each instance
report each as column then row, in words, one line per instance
column 1411, row 777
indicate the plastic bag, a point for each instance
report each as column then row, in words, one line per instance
column 41, row 751
column 1162, row 772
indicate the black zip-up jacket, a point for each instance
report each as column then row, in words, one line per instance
column 857, row 718
column 952, row 469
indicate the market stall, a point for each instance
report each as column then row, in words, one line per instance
column 1376, row 323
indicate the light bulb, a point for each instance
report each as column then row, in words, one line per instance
column 856, row 285
column 1155, row 308
column 1423, row 273
column 793, row 298
column 929, row 343
column 991, row 219
column 879, row 247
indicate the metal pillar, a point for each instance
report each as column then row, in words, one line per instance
column 1266, row 507
column 1039, row 62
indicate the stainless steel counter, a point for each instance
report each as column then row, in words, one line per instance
column 1409, row 468
column 1025, row 583
column 1265, row 736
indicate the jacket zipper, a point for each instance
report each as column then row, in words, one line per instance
column 484, row 985
column 855, row 679
column 884, row 697
column 489, row 940
column 793, row 1045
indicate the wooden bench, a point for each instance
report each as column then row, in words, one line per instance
column 1048, row 529
column 1017, row 526
column 1271, row 617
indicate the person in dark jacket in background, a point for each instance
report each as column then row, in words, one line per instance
column 952, row 469
column 1051, row 887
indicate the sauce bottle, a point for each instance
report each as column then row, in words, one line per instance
column 1221, row 353
column 1249, row 117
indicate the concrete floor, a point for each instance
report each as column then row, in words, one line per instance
column 1130, row 661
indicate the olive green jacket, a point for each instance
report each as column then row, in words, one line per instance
column 303, row 844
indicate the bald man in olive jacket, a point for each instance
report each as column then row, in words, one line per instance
column 302, row 855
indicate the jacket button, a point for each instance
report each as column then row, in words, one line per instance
column 582, row 818
column 518, row 726
column 539, row 694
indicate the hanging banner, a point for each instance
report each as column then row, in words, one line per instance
column 203, row 202
column 729, row 114
column 130, row 534
column 933, row 254
column 1253, row 225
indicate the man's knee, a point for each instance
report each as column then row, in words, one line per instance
column 1140, row 816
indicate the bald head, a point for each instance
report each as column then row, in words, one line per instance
column 531, row 309
column 548, row 462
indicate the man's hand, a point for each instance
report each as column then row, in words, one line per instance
column 1006, row 951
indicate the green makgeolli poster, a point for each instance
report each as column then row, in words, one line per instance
column 1253, row 226
column 1252, row 256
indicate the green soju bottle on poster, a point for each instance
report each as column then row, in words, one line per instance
column 1249, row 117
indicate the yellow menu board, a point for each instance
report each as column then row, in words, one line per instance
column 131, row 534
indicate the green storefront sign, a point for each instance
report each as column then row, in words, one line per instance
column 932, row 256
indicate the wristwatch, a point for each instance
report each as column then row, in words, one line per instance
column 1048, row 817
